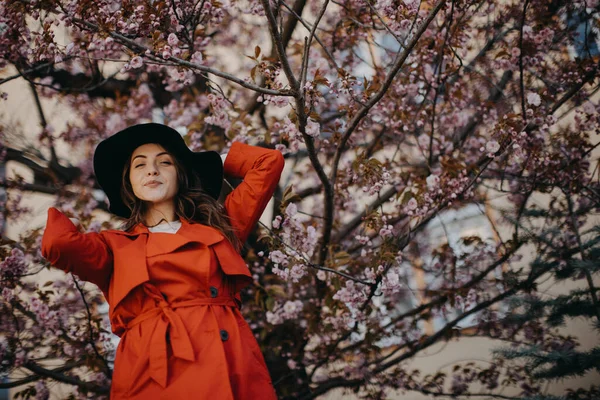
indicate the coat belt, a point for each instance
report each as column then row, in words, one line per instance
column 171, row 327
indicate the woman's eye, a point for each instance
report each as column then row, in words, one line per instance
column 139, row 165
column 166, row 162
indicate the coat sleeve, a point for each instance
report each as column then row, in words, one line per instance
column 260, row 169
column 87, row 255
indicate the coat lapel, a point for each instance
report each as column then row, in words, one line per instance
column 130, row 269
column 131, row 249
column 188, row 233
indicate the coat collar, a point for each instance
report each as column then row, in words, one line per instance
column 131, row 268
column 193, row 231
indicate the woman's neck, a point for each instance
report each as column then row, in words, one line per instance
column 160, row 212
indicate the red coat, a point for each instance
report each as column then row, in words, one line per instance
column 173, row 296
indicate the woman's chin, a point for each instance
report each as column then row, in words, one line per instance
column 156, row 199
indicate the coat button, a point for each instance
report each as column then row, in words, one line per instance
column 224, row 335
column 214, row 292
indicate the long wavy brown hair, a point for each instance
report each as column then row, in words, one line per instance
column 191, row 203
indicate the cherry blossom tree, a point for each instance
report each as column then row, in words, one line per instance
column 391, row 114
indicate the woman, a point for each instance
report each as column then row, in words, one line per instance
column 173, row 276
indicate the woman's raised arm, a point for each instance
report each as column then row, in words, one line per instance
column 260, row 170
column 87, row 255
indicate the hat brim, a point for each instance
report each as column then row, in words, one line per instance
column 112, row 153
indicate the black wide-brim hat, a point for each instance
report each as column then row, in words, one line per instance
column 113, row 153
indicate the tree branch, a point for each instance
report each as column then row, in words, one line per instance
column 133, row 45
column 364, row 111
column 278, row 43
column 522, row 85
column 57, row 376
column 36, row 377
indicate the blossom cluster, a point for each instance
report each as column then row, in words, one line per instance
column 13, row 266
column 446, row 131
column 219, row 111
column 290, row 310
column 299, row 242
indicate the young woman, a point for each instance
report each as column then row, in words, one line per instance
column 173, row 276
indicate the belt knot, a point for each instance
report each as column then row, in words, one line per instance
column 170, row 331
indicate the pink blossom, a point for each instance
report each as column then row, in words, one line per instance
column 14, row 265
column 291, row 209
column 310, row 241
column 391, row 283
column 298, row 271
column 276, row 222
column 589, row 107
column 423, row 141
column 277, row 101
column 411, row 4
column 70, row 48
column 352, row 294
column 7, row 294
column 273, row 318
column 284, row 273
column 41, row 391
column 412, row 204
column 136, row 62
column 20, row 358
column 386, row 231
column 115, row 123
column 492, row 147
column 313, row 128
column 172, row 40
column 278, row 257
column 256, row 8
column 197, row 58
column 290, row 128
column 362, row 239
column 289, row 311
column 433, row 181
column 290, row 307
column 533, row 99
column 282, row 148
column 220, row 111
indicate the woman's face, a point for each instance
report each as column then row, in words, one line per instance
column 152, row 174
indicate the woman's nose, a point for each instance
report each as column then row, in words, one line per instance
column 152, row 171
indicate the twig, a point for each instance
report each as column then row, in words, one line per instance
column 278, row 43
column 588, row 276
column 36, row 377
column 91, row 340
column 439, row 81
column 386, row 26
column 37, row 369
column 309, row 42
column 521, row 61
column 34, row 69
column 141, row 48
column 308, row 27
column 306, row 261
column 353, row 124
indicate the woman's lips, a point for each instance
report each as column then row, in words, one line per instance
column 153, row 184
